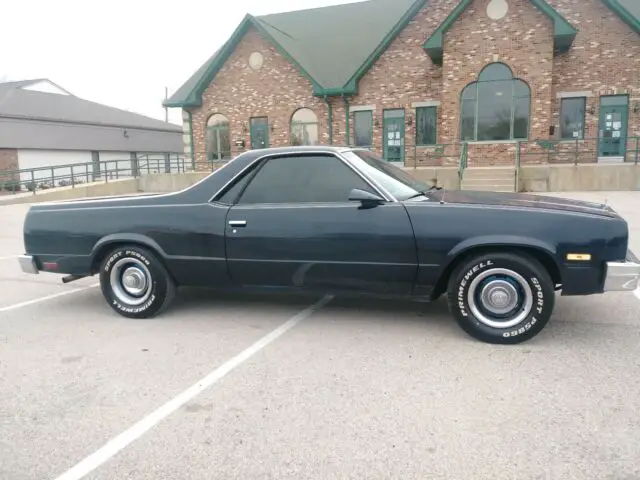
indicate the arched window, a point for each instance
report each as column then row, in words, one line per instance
column 218, row 141
column 495, row 107
column 304, row 127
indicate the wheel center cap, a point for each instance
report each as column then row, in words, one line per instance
column 500, row 298
column 134, row 281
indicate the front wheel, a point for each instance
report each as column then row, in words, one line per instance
column 135, row 283
column 502, row 298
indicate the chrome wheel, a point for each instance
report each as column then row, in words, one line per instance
column 500, row 298
column 130, row 281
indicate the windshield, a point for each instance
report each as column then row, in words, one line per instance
column 395, row 180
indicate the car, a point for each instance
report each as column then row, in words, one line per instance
column 341, row 221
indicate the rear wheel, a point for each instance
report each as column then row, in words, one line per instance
column 135, row 283
column 503, row 298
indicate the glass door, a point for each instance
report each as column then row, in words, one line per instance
column 613, row 125
column 393, row 135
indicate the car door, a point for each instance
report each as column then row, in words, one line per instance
column 294, row 226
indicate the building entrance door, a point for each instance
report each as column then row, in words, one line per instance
column 393, row 135
column 612, row 140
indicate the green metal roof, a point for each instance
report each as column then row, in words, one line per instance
column 335, row 46
column 627, row 10
column 332, row 46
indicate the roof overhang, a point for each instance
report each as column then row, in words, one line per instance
column 624, row 14
column 194, row 97
column 563, row 32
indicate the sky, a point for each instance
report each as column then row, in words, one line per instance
column 123, row 53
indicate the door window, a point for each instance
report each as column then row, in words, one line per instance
column 303, row 179
column 393, row 135
column 613, row 125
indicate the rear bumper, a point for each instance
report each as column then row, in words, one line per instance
column 623, row 276
column 28, row 264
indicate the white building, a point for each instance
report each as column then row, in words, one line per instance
column 44, row 127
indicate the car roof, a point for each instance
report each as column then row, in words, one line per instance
column 293, row 149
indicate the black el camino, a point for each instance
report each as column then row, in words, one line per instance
column 340, row 221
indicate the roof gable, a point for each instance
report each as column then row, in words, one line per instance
column 190, row 94
column 335, row 46
column 18, row 103
column 563, row 31
column 627, row 10
column 331, row 46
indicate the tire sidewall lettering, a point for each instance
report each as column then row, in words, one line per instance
column 539, row 307
column 139, row 309
column 538, row 296
column 461, row 302
column 130, row 253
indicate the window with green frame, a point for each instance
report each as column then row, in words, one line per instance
column 495, row 107
column 217, row 138
column 363, row 128
column 304, row 127
column 259, row 131
column 426, row 122
column 572, row 118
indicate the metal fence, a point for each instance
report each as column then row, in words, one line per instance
column 74, row 174
column 459, row 155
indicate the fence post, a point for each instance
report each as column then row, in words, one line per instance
column 133, row 156
column 167, row 163
column 73, row 180
column 53, row 178
column 637, row 140
column 575, row 161
column 33, row 182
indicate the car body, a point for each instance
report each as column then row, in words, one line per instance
column 339, row 220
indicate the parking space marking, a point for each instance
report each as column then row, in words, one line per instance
column 113, row 446
column 10, row 257
column 48, row 297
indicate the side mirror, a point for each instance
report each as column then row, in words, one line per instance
column 367, row 199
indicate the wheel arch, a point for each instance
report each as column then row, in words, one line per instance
column 541, row 251
column 105, row 244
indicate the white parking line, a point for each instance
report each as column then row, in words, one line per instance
column 48, row 297
column 10, row 257
column 113, row 446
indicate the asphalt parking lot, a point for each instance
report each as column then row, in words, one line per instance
column 239, row 387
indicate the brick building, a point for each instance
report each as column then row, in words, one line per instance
column 512, row 80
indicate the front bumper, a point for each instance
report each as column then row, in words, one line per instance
column 623, row 276
column 28, row 264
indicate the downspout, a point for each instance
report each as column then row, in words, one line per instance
column 346, row 112
column 193, row 155
column 330, row 111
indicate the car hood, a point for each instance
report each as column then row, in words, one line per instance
column 523, row 200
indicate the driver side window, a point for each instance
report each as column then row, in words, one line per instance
column 303, row 179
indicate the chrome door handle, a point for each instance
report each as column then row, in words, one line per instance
column 238, row 223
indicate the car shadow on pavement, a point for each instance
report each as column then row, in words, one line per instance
column 575, row 321
column 342, row 309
